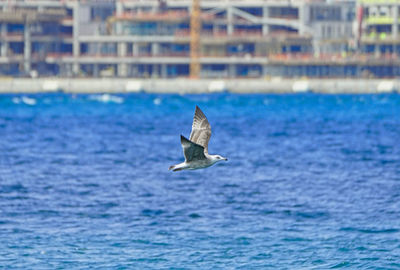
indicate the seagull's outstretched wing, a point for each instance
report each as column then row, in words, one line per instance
column 201, row 129
column 192, row 151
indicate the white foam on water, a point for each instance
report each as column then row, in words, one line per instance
column 157, row 101
column 16, row 100
column 28, row 101
column 107, row 98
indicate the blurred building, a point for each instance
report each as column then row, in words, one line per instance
column 32, row 35
column 151, row 38
column 380, row 26
column 377, row 32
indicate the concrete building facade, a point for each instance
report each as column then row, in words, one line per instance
column 151, row 38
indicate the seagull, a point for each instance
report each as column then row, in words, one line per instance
column 195, row 149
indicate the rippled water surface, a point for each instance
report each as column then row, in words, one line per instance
column 312, row 182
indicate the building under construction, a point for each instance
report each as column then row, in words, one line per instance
column 197, row 38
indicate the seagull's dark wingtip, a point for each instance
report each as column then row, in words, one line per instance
column 183, row 138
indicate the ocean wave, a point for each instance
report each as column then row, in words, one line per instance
column 157, row 101
column 24, row 100
column 107, row 98
column 16, row 100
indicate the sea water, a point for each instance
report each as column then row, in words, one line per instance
column 312, row 182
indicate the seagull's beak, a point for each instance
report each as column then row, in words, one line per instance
column 225, row 159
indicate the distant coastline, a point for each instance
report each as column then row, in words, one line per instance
column 188, row 86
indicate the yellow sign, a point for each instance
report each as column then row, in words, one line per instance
column 378, row 1
column 379, row 20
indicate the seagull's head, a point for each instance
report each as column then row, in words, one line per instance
column 217, row 158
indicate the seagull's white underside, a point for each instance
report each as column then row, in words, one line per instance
column 194, row 165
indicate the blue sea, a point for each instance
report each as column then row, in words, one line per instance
column 312, row 182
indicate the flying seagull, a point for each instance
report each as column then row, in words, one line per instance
column 195, row 149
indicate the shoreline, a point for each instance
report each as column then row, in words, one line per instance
column 198, row 86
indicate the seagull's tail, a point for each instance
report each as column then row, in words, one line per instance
column 174, row 168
